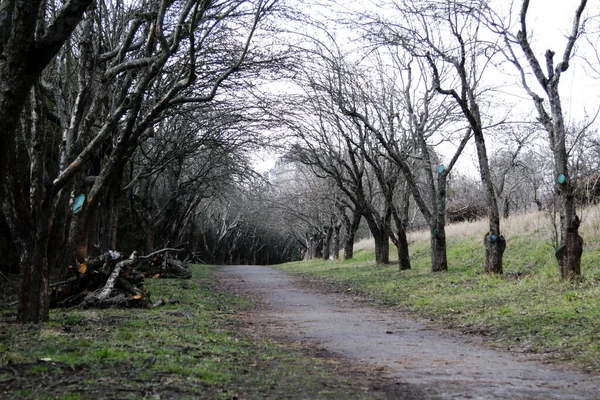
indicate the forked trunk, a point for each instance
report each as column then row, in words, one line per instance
column 382, row 246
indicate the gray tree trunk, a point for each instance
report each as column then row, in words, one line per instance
column 327, row 235
column 351, row 226
column 336, row 241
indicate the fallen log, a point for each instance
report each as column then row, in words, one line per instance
column 98, row 297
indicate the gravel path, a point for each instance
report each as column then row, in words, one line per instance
column 427, row 364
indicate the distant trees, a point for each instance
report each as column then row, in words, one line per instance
column 405, row 116
column 335, row 146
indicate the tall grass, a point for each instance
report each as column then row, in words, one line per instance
column 537, row 223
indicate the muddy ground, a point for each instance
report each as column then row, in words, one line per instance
column 403, row 357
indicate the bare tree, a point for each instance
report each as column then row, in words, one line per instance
column 31, row 34
column 446, row 34
column 405, row 114
column 136, row 63
column 551, row 115
column 508, row 166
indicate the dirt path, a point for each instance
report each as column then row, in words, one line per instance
column 421, row 361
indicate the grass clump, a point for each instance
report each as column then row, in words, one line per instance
column 528, row 308
column 192, row 348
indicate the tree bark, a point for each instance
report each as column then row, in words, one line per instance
column 439, row 261
column 336, row 241
column 494, row 250
column 382, row 243
column 351, row 226
column 494, row 242
column 34, row 299
column 34, row 213
column 327, row 242
column 402, row 247
column 568, row 253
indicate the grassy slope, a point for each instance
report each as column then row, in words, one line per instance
column 192, row 349
column 528, row 308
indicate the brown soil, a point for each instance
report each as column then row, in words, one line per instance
column 398, row 356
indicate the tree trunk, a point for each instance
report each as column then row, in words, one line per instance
column 149, row 242
column 506, row 207
column 402, row 246
column 349, row 247
column 109, row 220
column 80, row 235
column 351, row 229
column 494, row 250
column 570, row 250
column 34, row 299
column 336, row 241
column 439, row 261
column 569, row 253
column 58, row 231
column 494, row 242
column 327, row 242
column 382, row 246
column 318, row 246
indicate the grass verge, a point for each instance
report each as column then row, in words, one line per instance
column 527, row 309
column 191, row 349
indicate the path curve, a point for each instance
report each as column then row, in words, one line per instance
column 434, row 364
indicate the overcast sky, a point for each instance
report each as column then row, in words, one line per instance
column 550, row 22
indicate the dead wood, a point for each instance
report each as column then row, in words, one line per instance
column 111, row 281
column 159, row 252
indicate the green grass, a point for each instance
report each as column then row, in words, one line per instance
column 190, row 349
column 528, row 308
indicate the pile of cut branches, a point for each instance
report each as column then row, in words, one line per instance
column 114, row 281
